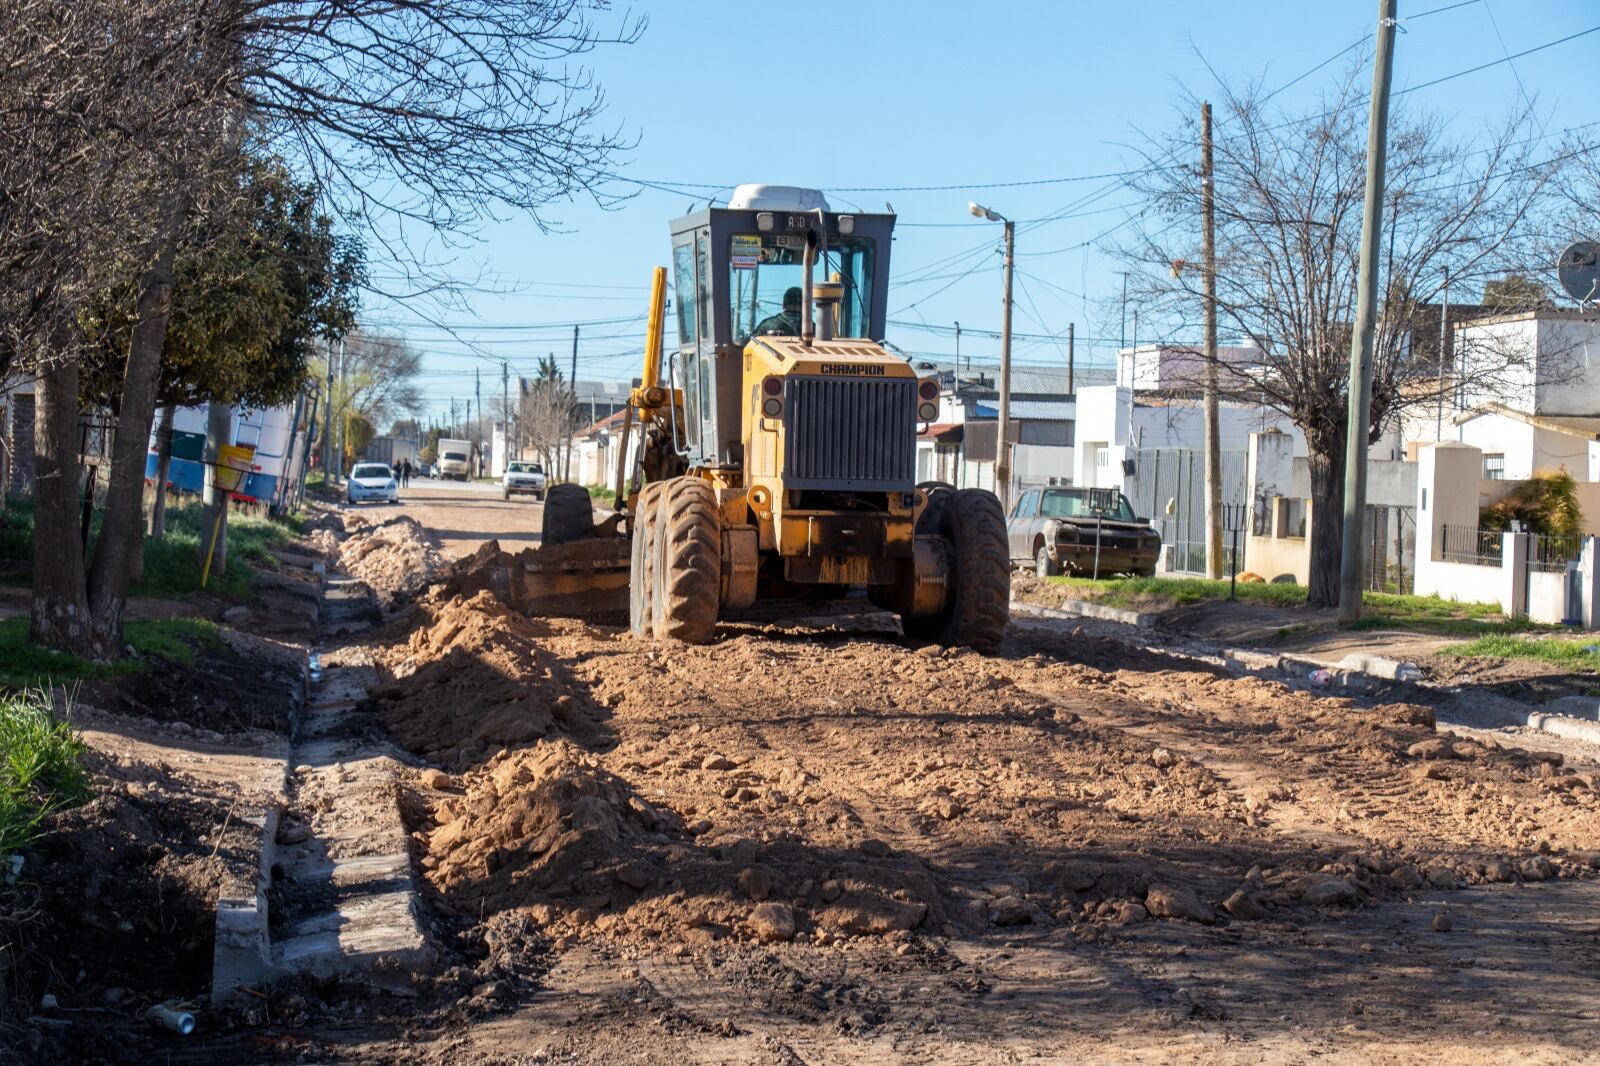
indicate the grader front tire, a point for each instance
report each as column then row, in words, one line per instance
column 688, row 578
column 568, row 515
column 980, row 563
column 642, row 560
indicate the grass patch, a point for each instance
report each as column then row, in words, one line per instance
column 24, row 666
column 1582, row 653
column 40, row 767
column 172, row 564
column 603, row 495
column 1381, row 610
column 1175, row 591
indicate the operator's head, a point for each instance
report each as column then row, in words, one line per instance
column 791, row 299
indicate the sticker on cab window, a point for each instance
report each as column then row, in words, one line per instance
column 746, row 252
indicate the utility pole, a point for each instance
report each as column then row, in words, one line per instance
column 1213, row 431
column 1002, row 456
column 1071, row 354
column 572, row 386
column 1444, row 320
column 958, row 348
column 477, row 424
column 505, row 409
column 1122, row 341
column 1360, row 389
column 327, row 421
column 344, row 417
column 1133, row 368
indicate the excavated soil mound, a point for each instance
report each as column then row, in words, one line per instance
column 394, row 557
column 541, row 822
column 476, row 678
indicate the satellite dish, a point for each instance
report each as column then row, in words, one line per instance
column 1579, row 270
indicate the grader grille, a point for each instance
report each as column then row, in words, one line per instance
column 850, row 434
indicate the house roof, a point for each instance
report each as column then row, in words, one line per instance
column 1031, row 410
column 605, row 425
column 943, row 432
column 1586, row 426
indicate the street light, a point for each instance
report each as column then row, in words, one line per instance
column 1002, row 451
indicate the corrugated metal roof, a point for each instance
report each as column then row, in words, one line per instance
column 1038, row 410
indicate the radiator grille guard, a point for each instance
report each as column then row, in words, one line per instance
column 850, row 434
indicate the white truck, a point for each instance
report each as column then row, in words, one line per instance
column 455, row 459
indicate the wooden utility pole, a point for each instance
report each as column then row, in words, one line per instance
column 1002, row 454
column 572, row 411
column 505, row 411
column 1213, row 431
column 1360, row 389
column 1071, row 330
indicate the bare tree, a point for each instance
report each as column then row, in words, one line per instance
column 375, row 376
column 544, row 418
column 1288, row 207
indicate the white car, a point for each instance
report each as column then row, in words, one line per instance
column 522, row 477
column 371, row 481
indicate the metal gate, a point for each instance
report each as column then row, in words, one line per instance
column 1169, row 487
column 1391, row 549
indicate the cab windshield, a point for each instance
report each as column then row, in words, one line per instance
column 524, row 468
column 1085, row 503
column 372, row 470
column 763, row 267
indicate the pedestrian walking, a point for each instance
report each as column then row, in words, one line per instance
column 405, row 473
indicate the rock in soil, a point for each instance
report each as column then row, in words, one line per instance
column 1324, row 891
column 1242, row 907
column 772, row 922
column 1168, row 901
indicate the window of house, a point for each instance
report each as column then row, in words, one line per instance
column 1291, row 517
column 1494, row 467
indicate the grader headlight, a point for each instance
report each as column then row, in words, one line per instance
column 772, row 397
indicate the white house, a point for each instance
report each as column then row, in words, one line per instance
column 1179, row 366
column 1543, row 413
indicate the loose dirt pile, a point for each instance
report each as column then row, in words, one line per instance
column 539, row 822
column 393, row 556
column 124, row 888
column 474, row 678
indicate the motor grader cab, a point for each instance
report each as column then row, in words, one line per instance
column 770, row 446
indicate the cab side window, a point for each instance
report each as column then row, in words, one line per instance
column 1027, row 505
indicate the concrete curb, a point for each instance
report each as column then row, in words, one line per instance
column 1080, row 609
column 1355, row 671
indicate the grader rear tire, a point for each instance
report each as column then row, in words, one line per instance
column 568, row 514
column 979, row 608
column 687, row 582
column 641, row 563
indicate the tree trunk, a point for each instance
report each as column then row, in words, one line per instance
column 158, row 508
column 60, row 609
column 1325, row 459
column 119, row 550
column 214, row 516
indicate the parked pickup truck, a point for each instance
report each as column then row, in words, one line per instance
column 1087, row 532
column 522, row 477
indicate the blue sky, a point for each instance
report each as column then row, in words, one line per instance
column 951, row 94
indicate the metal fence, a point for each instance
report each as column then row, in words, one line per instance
column 1471, row 545
column 1552, row 554
column 1169, row 487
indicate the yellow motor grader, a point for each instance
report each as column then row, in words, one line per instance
column 772, row 451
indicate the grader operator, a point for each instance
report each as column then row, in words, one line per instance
column 772, row 451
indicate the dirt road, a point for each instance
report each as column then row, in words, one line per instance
column 462, row 515
column 815, row 842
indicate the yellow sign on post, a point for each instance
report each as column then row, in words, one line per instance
column 234, row 463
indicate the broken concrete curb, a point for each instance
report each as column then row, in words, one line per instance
column 1081, row 609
